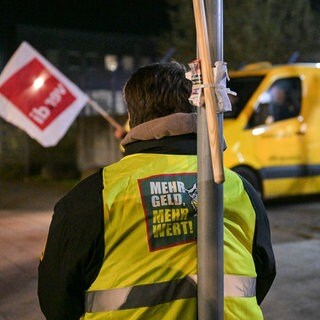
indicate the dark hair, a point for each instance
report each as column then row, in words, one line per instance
column 157, row 90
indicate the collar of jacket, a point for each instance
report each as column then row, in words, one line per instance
column 173, row 134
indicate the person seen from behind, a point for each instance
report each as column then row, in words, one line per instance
column 122, row 243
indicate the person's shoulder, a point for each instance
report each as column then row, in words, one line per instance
column 87, row 194
column 232, row 179
column 252, row 193
column 236, row 184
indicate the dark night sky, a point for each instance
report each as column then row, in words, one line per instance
column 147, row 17
column 122, row 16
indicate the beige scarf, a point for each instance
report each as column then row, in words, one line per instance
column 172, row 125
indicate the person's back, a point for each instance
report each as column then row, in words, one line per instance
column 138, row 258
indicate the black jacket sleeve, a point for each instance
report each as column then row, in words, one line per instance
column 262, row 247
column 74, row 251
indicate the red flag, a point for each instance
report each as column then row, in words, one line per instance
column 38, row 98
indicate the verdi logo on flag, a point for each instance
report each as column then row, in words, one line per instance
column 42, row 96
column 37, row 97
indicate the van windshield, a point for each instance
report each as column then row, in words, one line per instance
column 244, row 87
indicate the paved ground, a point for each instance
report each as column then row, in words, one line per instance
column 295, row 294
column 25, row 213
column 21, row 240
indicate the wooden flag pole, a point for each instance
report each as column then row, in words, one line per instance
column 210, row 100
column 210, row 176
column 105, row 115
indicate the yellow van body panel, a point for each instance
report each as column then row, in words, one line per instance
column 285, row 154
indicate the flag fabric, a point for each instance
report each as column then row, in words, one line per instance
column 36, row 97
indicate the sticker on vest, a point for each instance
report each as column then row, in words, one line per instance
column 170, row 207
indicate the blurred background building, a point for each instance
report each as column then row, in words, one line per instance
column 97, row 59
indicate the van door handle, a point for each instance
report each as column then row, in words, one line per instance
column 302, row 129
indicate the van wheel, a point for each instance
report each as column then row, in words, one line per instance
column 251, row 176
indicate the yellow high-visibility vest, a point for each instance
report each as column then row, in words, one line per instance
column 150, row 263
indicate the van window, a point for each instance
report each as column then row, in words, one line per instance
column 244, row 87
column 281, row 101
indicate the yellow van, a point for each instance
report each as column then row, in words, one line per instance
column 273, row 130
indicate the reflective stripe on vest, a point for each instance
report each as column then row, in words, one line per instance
column 159, row 293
